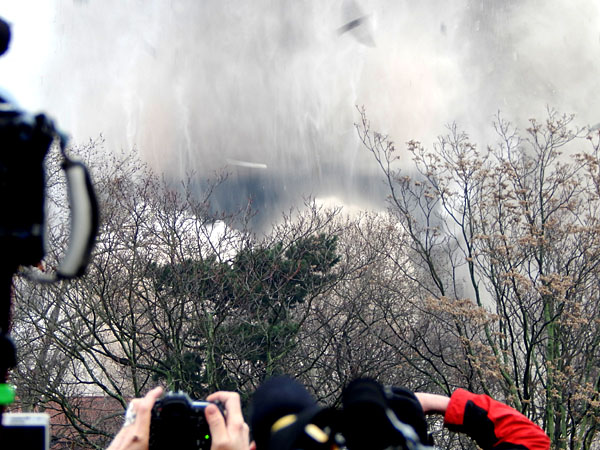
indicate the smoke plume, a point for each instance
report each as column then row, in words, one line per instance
column 267, row 89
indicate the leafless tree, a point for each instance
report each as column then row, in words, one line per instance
column 504, row 259
column 175, row 294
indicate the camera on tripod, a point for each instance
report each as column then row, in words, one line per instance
column 179, row 422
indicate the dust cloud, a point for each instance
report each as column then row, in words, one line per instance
column 267, row 89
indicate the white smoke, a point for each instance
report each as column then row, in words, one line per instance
column 273, row 84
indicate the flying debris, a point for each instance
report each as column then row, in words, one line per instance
column 352, row 24
column 357, row 23
column 251, row 165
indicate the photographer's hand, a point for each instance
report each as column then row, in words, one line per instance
column 433, row 403
column 231, row 433
column 135, row 433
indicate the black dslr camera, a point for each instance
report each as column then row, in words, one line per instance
column 24, row 142
column 179, row 422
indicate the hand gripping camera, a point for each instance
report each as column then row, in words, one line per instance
column 179, row 422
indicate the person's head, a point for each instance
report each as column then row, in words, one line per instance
column 4, row 36
column 275, row 398
column 377, row 416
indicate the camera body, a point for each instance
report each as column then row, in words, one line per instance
column 25, row 142
column 179, row 422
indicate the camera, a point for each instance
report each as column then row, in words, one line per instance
column 25, row 141
column 25, row 430
column 179, row 422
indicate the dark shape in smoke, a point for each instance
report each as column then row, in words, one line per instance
column 351, row 25
column 357, row 23
column 360, row 34
column 268, row 191
column 4, row 36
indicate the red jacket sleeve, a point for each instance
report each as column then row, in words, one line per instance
column 493, row 425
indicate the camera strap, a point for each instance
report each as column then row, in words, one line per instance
column 84, row 222
column 84, row 216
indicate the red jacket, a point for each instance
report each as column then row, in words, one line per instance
column 493, row 425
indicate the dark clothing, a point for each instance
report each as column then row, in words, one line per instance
column 493, row 425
